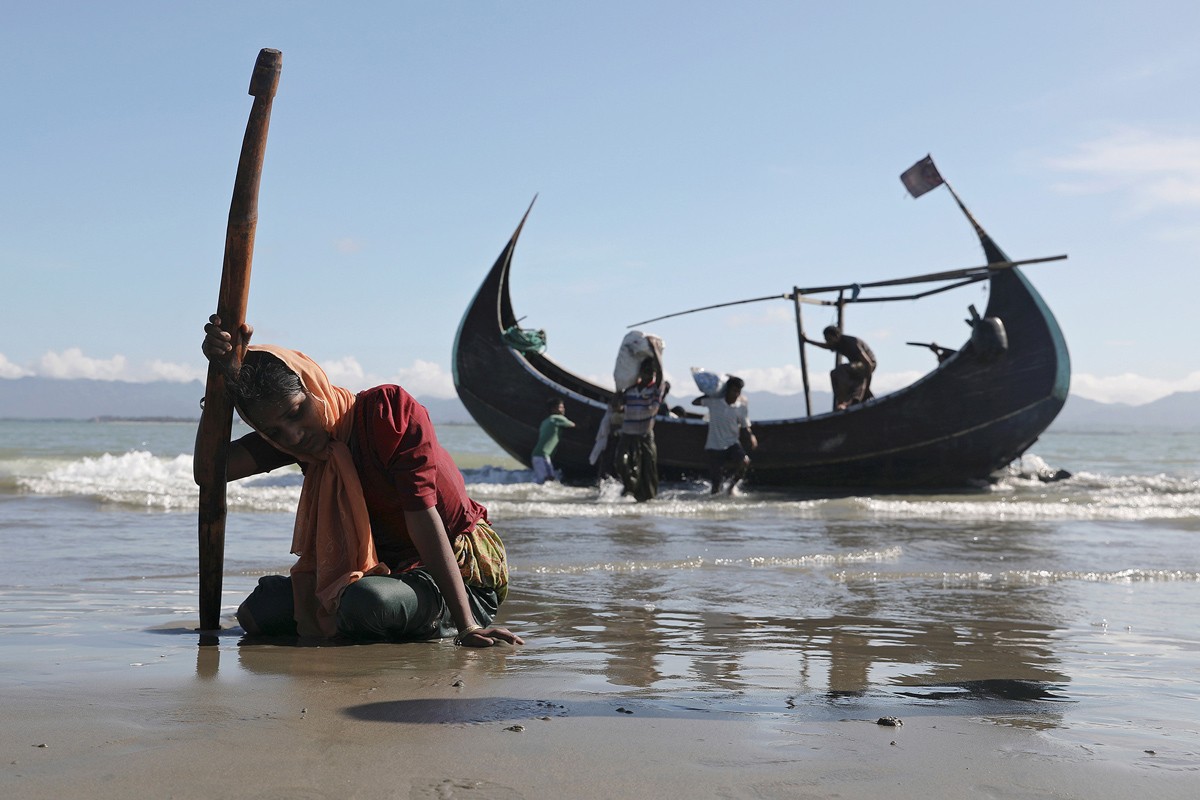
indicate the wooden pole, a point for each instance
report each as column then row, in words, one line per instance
column 841, row 323
column 803, row 352
column 216, row 421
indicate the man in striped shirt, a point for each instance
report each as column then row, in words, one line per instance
column 637, row 456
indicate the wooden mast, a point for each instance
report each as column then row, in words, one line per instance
column 803, row 353
column 216, row 421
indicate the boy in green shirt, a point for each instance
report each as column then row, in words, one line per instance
column 543, row 468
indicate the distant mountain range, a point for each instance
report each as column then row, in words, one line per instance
column 50, row 398
column 1179, row 411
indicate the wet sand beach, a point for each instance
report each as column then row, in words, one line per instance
column 435, row 721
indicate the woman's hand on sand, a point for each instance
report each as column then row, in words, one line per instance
column 486, row 637
column 218, row 345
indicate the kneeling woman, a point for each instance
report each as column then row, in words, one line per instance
column 390, row 546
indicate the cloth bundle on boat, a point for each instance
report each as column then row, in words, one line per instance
column 525, row 340
column 635, row 348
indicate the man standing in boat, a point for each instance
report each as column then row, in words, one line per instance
column 851, row 380
column 728, row 416
column 637, row 455
column 556, row 419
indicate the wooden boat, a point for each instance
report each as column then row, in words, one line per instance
column 979, row 410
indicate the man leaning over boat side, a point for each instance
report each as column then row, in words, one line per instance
column 852, row 380
column 728, row 417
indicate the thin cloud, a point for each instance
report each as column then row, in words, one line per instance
column 423, row 378
column 10, row 370
column 426, row 379
column 762, row 316
column 347, row 372
column 1130, row 388
column 72, row 363
column 790, row 380
column 776, row 380
column 1126, row 388
column 167, row 371
column 885, row 382
column 1157, row 171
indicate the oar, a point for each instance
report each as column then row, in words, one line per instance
column 216, row 420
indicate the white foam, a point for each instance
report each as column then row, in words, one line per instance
column 138, row 478
column 135, row 478
column 1019, row 577
column 889, row 554
column 141, row 479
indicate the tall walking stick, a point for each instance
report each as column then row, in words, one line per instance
column 216, row 420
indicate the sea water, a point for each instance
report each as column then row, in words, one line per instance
column 1066, row 607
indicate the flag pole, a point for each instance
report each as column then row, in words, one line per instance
column 966, row 211
column 924, row 176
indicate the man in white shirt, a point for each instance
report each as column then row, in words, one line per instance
column 728, row 416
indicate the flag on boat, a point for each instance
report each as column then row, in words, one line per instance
column 921, row 177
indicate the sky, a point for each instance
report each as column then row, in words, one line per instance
column 682, row 154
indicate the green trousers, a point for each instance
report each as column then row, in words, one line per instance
column 637, row 465
column 398, row 607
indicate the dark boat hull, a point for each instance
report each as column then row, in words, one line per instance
column 955, row 427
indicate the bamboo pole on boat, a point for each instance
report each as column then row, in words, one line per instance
column 803, row 352
column 216, row 421
column 982, row 271
column 710, row 308
column 966, row 275
column 841, row 324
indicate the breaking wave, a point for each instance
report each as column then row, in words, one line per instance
column 141, row 479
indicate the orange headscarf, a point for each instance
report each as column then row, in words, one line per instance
column 332, row 536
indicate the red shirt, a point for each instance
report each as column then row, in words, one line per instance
column 402, row 467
